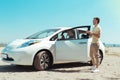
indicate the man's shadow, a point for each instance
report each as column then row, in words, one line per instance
column 55, row 68
column 67, row 67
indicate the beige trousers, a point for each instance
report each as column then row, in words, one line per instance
column 94, row 54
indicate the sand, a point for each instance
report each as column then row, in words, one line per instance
column 109, row 70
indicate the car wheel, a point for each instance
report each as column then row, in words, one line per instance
column 42, row 61
column 100, row 58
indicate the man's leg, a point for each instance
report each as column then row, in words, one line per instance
column 92, row 54
column 97, row 55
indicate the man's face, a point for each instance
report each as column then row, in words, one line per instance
column 95, row 22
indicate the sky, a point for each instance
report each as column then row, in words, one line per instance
column 21, row 18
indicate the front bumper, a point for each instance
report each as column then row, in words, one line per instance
column 17, row 57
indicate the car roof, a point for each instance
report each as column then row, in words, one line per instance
column 65, row 28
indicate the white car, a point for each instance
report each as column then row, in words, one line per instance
column 51, row 46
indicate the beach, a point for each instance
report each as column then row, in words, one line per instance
column 109, row 70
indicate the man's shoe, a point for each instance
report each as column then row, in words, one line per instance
column 95, row 70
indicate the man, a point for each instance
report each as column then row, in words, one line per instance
column 94, row 48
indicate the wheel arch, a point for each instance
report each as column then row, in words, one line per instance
column 102, row 55
column 49, row 53
column 101, row 52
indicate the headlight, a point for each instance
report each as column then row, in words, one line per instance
column 29, row 43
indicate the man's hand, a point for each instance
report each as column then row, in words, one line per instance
column 89, row 32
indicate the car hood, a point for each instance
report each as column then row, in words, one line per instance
column 18, row 42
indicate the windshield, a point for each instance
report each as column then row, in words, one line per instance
column 42, row 34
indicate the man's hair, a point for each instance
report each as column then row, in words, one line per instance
column 98, row 19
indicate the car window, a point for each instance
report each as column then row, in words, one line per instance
column 54, row 38
column 82, row 33
column 65, row 35
column 42, row 34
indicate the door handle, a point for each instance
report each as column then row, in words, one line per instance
column 82, row 43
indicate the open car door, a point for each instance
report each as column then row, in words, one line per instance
column 73, row 49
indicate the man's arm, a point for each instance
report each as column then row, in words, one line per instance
column 96, row 34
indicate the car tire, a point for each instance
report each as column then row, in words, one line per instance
column 42, row 61
column 100, row 58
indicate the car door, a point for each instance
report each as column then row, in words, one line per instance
column 71, row 49
column 84, row 45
